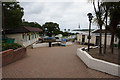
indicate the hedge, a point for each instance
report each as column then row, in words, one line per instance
column 6, row 46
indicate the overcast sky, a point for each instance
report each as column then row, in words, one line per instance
column 67, row 14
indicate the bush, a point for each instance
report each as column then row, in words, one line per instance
column 6, row 46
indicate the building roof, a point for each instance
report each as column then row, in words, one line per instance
column 98, row 31
column 23, row 29
column 33, row 29
column 82, row 29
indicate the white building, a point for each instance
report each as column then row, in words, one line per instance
column 24, row 36
column 82, row 38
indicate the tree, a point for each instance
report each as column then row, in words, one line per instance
column 100, row 19
column 114, row 21
column 114, row 14
column 32, row 24
column 106, row 7
column 13, row 14
column 118, row 35
column 51, row 28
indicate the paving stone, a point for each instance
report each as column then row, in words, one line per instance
column 54, row 62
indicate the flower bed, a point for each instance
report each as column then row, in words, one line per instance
column 113, row 58
column 6, row 46
column 97, row 64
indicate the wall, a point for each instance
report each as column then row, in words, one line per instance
column 93, row 39
column 97, row 64
column 29, row 42
column 9, row 56
column 108, row 39
column 19, row 39
column 78, row 37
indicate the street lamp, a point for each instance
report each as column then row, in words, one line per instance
column 89, row 37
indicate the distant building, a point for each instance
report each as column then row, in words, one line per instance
column 24, row 36
column 83, row 31
column 82, row 37
column 59, row 35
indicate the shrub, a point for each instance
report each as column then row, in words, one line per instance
column 6, row 46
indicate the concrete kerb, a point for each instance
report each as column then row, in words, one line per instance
column 97, row 64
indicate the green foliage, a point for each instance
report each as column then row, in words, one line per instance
column 114, row 16
column 51, row 28
column 99, row 13
column 118, row 33
column 66, row 34
column 13, row 14
column 6, row 46
column 32, row 24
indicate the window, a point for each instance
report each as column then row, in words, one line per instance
column 24, row 37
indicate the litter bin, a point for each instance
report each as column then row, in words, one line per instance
column 50, row 44
column 63, row 42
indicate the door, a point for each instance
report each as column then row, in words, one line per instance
column 83, row 38
column 97, row 40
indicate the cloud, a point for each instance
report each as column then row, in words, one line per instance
column 68, row 14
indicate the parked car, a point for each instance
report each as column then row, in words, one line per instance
column 47, row 39
column 57, row 39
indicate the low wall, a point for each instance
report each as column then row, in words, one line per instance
column 11, row 55
column 40, row 45
column 97, row 64
column 47, row 44
column 68, row 43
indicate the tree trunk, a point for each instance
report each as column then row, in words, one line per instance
column 105, row 41
column 112, row 43
column 119, row 51
column 100, row 44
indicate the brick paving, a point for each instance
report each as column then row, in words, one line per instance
column 54, row 62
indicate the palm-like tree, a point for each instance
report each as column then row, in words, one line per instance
column 112, row 10
column 100, row 20
column 114, row 21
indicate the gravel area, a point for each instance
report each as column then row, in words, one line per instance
column 113, row 58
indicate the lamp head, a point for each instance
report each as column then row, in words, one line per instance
column 90, row 16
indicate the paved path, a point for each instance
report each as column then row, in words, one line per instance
column 55, row 62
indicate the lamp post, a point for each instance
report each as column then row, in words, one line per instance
column 89, row 37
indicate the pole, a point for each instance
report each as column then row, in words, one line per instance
column 3, row 21
column 50, row 43
column 89, row 36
